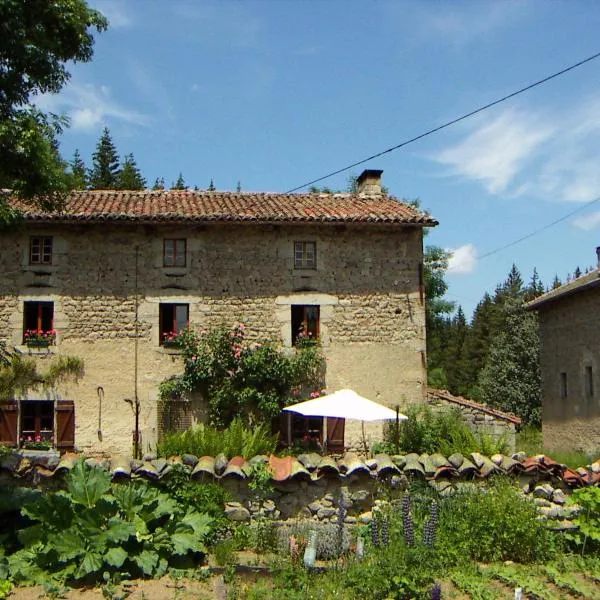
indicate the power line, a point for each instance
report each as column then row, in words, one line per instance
column 448, row 123
column 536, row 231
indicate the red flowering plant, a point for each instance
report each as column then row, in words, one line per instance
column 39, row 337
column 36, row 441
column 170, row 339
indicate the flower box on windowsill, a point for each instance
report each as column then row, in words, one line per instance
column 41, row 446
column 39, row 339
column 38, row 343
column 171, row 344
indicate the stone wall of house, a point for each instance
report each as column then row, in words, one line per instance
column 570, row 330
column 478, row 419
column 366, row 283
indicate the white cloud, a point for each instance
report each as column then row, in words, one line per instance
column 550, row 154
column 588, row 222
column 497, row 150
column 463, row 260
column 88, row 106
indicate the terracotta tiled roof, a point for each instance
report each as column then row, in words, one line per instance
column 448, row 397
column 32, row 466
column 203, row 206
column 584, row 282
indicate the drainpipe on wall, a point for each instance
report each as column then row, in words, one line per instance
column 136, row 439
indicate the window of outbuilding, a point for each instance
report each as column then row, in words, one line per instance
column 589, row 381
column 173, row 319
column 174, row 252
column 305, row 255
column 40, row 250
column 564, row 389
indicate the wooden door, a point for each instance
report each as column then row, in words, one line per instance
column 335, row 434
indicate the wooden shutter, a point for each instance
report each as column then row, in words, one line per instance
column 65, row 424
column 335, row 434
column 8, row 423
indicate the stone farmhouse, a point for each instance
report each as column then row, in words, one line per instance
column 570, row 363
column 115, row 272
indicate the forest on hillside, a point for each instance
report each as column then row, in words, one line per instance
column 493, row 357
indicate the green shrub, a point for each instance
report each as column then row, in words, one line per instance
column 588, row 520
column 207, row 497
column 92, row 528
column 446, row 432
column 238, row 378
column 236, row 440
column 491, row 524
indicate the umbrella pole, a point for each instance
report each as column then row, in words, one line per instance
column 397, row 432
column 364, row 438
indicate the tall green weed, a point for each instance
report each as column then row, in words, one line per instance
column 235, row 440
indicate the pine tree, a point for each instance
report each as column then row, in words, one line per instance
column 159, row 184
column 535, row 288
column 454, row 355
column 556, row 283
column 104, row 174
column 131, row 177
column 577, row 273
column 179, row 184
column 211, row 187
column 79, row 180
column 477, row 344
column 238, row 187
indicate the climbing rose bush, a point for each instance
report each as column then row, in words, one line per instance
column 254, row 380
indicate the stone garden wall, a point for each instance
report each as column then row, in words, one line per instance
column 312, row 488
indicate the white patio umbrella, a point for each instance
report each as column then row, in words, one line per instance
column 345, row 404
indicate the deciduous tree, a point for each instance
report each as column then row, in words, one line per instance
column 37, row 39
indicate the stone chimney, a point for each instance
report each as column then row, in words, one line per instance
column 598, row 257
column 369, row 182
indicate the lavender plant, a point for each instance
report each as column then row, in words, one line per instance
column 407, row 521
column 430, row 527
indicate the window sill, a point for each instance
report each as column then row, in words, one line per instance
column 170, row 351
column 37, row 351
column 175, row 271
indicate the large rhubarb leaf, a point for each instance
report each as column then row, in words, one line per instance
column 91, row 563
column 146, row 561
column 200, row 523
column 54, row 510
column 184, row 542
column 115, row 557
column 118, row 530
column 69, row 544
column 87, row 484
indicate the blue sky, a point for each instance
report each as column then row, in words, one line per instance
column 276, row 93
